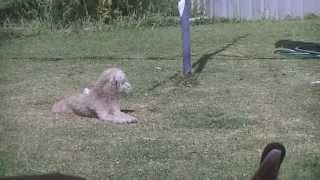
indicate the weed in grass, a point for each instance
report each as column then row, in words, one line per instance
column 5, row 162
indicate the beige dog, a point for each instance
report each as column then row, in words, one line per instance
column 99, row 101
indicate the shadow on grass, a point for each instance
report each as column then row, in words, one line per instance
column 201, row 63
column 53, row 176
column 161, row 83
column 148, row 58
column 6, row 34
column 151, row 58
column 198, row 67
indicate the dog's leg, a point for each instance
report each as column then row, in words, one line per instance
column 61, row 107
column 126, row 117
column 116, row 117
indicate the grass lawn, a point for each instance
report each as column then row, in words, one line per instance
column 212, row 125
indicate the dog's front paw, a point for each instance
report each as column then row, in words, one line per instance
column 124, row 118
column 132, row 120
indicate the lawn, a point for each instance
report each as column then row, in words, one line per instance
column 212, row 125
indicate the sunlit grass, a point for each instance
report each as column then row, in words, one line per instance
column 212, row 125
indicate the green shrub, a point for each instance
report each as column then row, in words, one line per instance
column 66, row 11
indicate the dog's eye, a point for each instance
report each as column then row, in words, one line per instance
column 117, row 84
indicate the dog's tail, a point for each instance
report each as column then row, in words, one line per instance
column 271, row 159
column 61, row 107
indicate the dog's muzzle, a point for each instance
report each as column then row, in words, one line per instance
column 86, row 91
column 126, row 87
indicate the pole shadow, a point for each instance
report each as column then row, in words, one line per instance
column 198, row 66
column 201, row 63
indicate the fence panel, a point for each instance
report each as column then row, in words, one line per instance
column 255, row 9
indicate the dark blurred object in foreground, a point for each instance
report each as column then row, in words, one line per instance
column 55, row 176
column 271, row 159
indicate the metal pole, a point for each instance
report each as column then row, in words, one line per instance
column 185, row 32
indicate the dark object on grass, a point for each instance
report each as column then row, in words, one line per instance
column 271, row 159
column 298, row 49
column 293, row 44
column 127, row 110
column 55, row 176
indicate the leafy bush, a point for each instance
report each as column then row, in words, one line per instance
column 66, row 11
column 52, row 11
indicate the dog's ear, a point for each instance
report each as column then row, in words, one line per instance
column 271, row 159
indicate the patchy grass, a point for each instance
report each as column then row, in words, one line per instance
column 5, row 162
column 310, row 165
column 212, row 125
column 209, row 119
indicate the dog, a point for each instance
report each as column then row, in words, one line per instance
column 100, row 100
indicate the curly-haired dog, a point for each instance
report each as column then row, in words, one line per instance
column 99, row 101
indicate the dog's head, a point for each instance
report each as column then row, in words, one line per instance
column 114, row 81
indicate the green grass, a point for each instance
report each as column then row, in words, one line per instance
column 5, row 162
column 212, row 125
column 209, row 119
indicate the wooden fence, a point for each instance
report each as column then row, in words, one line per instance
column 255, row 9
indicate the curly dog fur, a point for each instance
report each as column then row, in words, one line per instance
column 99, row 101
